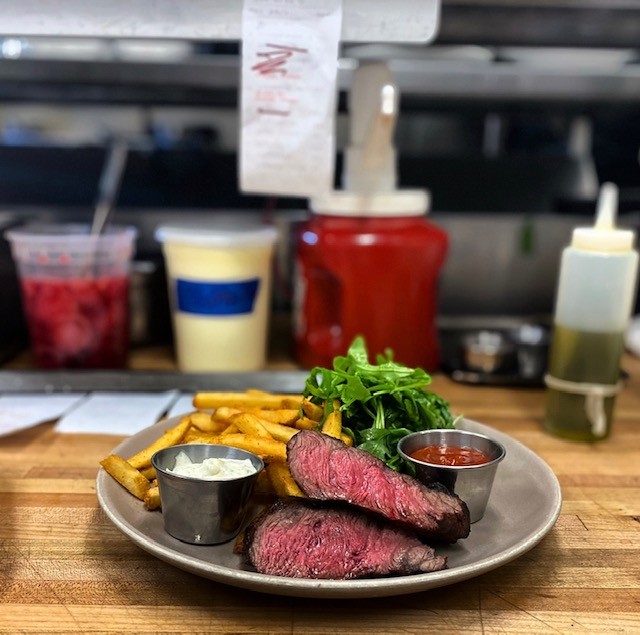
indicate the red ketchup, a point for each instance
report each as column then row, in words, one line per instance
column 450, row 455
column 370, row 275
column 77, row 323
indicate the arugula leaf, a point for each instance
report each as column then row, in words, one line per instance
column 382, row 443
column 380, row 402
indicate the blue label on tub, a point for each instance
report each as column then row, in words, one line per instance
column 216, row 298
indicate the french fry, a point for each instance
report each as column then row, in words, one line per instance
column 291, row 403
column 193, row 435
column 127, row 475
column 285, row 416
column 267, row 449
column 312, row 410
column 206, row 422
column 346, row 439
column 304, row 423
column 282, row 481
column 152, row 498
column 199, row 418
column 172, row 436
column 224, row 413
column 272, row 401
column 332, row 425
column 250, row 424
column 279, row 431
column 148, row 472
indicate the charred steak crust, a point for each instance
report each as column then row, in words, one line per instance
column 302, row 538
column 327, row 469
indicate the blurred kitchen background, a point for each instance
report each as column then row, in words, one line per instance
column 511, row 118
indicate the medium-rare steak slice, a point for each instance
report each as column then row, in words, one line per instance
column 301, row 538
column 327, row 469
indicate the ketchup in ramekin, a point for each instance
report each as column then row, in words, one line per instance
column 463, row 461
column 450, row 455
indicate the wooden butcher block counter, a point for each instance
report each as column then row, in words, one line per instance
column 65, row 568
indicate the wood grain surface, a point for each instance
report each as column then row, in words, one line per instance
column 64, row 568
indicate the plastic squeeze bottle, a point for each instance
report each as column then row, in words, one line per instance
column 595, row 296
column 368, row 261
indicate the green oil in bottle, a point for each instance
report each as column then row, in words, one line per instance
column 581, row 357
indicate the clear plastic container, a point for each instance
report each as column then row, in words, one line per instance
column 75, row 293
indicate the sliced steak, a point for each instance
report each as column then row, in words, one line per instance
column 301, row 538
column 327, row 469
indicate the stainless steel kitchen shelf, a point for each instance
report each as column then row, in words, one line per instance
column 513, row 81
column 599, row 23
column 585, row 23
column 205, row 80
column 214, row 78
column 33, row 381
column 362, row 20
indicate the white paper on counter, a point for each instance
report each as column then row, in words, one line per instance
column 18, row 412
column 288, row 95
column 181, row 406
column 117, row 413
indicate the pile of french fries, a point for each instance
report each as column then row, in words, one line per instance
column 256, row 421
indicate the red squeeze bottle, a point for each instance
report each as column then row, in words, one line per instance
column 368, row 260
column 375, row 276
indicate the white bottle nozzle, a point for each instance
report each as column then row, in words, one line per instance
column 604, row 236
column 607, row 209
column 370, row 161
column 377, row 147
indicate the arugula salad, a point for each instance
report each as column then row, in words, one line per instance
column 380, row 403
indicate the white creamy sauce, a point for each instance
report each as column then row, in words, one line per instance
column 212, row 469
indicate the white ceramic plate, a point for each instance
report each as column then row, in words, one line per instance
column 524, row 505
